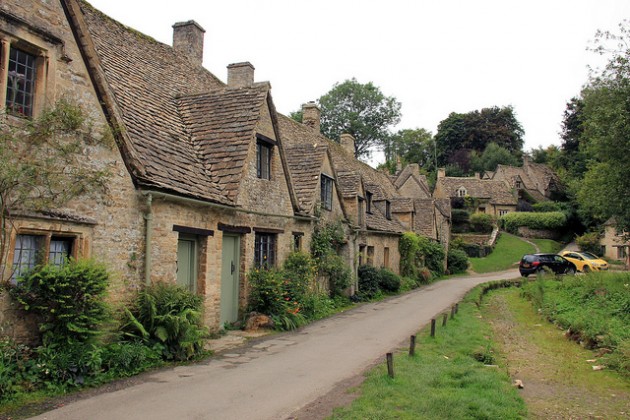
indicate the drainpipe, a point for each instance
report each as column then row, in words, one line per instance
column 147, row 241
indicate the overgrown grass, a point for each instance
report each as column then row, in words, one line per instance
column 594, row 308
column 547, row 245
column 446, row 379
column 507, row 252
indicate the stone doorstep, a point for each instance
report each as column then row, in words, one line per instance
column 233, row 339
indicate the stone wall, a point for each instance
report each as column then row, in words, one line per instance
column 526, row 232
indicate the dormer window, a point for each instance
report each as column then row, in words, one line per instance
column 21, row 72
column 263, row 159
column 368, row 202
column 326, row 192
column 518, row 184
column 461, row 192
column 388, row 210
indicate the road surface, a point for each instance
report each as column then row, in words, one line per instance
column 283, row 373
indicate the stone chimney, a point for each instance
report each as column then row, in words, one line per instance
column 188, row 39
column 441, row 173
column 347, row 141
column 477, row 175
column 311, row 116
column 240, row 75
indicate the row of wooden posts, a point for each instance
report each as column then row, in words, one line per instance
column 412, row 340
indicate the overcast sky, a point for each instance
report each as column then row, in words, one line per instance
column 435, row 57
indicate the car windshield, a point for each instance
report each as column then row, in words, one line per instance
column 590, row 256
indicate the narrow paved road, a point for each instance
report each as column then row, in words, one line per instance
column 279, row 375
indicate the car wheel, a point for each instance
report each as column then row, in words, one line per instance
column 525, row 275
column 570, row 271
column 586, row 269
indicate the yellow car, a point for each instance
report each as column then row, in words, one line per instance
column 585, row 261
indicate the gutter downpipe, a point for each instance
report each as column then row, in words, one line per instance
column 148, row 235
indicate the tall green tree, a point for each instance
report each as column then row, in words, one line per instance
column 412, row 146
column 492, row 156
column 605, row 189
column 459, row 135
column 361, row 110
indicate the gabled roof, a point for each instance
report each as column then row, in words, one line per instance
column 495, row 191
column 424, row 218
column 305, row 151
column 376, row 220
column 349, row 184
column 412, row 171
column 221, row 124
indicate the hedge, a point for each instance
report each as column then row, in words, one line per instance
column 549, row 221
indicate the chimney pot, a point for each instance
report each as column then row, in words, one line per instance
column 311, row 116
column 188, row 39
column 347, row 141
column 441, row 173
column 240, row 75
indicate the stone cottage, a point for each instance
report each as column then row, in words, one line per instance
column 208, row 180
column 536, row 180
column 487, row 196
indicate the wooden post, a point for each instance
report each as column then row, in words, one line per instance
column 453, row 312
column 456, row 308
column 412, row 345
column 444, row 320
column 432, row 327
column 390, row 364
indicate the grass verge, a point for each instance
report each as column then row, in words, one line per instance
column 507, row 252
column 547, row 245
column 446, row 379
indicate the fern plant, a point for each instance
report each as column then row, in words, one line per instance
column 167, row 317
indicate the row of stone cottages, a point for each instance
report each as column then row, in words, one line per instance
column 208, row 180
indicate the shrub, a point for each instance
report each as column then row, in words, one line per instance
column 549, row 221
column 17, row 369
column 167, row 317
column 69, row 300
column 266, row 294
column 299, row 272
column 546, row 206
column 433, row 254
column 368, row 281
column 128, row 358
column 408, row 283
column 338, row 274
column 481, row 222
column 69, row 364
column 589, row 242
column 459, row 216
column 388, row 281
column 410, row 260
column 457, row 261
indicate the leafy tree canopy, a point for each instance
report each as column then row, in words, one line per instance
column 492, row 156
column 461, row 134
column 412, row 146
column 361, row 110
column 604, row 141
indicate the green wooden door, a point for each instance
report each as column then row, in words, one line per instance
column 187, row 263
column 229, row 278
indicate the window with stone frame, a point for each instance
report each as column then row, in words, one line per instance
column 621, row 252
column 361, row 215
column 326, row 192
column 368, row 202
column 503, row 212
column 388, row 210
column 21, row 78
column 297, row 241
column 32, row 250
column 461, row 192
column 265, row 250
column 263, row 159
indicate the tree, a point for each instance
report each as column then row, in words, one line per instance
column 412, row 146
column 492, row 156
column 361, row 110
column 606, row 132
column 461, row 134
column 42, row 167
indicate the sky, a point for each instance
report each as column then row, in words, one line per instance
column 435, row 57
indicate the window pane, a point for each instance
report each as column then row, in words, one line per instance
column 20, row 82
column 60, row 249
column 27, row 254
column 264, row 250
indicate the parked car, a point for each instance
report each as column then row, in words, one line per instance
column 536, row 263
column 585, row 261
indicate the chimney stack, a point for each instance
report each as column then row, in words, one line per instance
column 240, row 75
column 441, row 173
column 311, row 116
column 347, row 141
column 188, row 39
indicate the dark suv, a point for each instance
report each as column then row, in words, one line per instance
column 535, row 263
